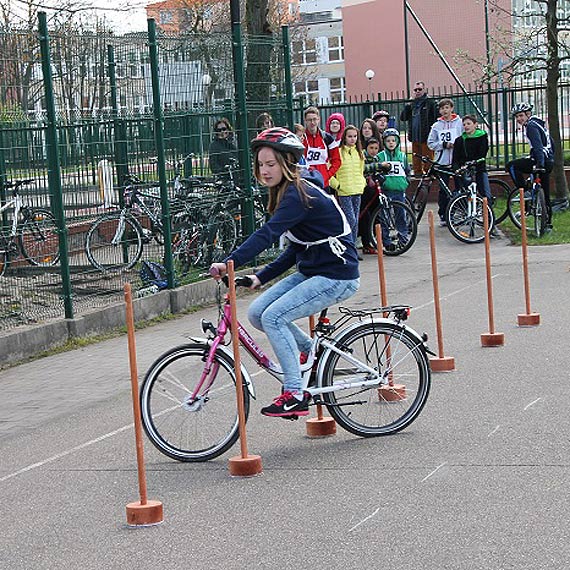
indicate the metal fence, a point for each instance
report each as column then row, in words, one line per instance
column 73, row 110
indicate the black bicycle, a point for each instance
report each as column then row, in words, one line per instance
column 435, row 177
column 534, row 205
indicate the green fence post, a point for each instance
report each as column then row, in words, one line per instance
column 241, row 114
column 505, row 118
column 159, row 141
column 3, row 179
column 120, row 139
column 54, row 172
column 288, row 79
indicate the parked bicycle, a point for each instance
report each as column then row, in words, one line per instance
column 33, row 232
column 397, row 220
column 368, row 368
column 435, row 178
column 534, row 205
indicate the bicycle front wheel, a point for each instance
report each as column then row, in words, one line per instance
column 399, row 227
column 402, row 389
column 184, row 417
column 3, row 256
column 514, row 207
column 114, row 243
column 465, row 218
column 39, row 238
column 540, row 213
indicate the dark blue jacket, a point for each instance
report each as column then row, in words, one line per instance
column 541, row 149
column 318, row 220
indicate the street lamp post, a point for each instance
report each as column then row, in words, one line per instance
column 369, row 73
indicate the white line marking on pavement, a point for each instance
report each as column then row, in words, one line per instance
column 445, row 297
column 494, row 431
column 364, row 520
column 531, row 404
column 433, row 472
column 64, row 453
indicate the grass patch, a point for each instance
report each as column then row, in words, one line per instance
column 560, row 232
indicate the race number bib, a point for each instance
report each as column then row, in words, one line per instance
column 396, row 169
column 316, row 156
column 445, row 137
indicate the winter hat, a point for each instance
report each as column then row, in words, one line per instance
column 340, row 118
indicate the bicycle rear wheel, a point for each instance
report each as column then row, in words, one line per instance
column 465, row 220
column 39, row 238
column 500, row 192
column 403, row 387
column 514, row 207
column 399, row 227
column 182, row 419
column 419, row 199
column 4, row 258
column 222, row 236
column 114, row 243
column 540, row 212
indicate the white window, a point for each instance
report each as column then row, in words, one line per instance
column 308, row 89
column 337, row 88
column 336, row 48
column 165, row 17
column 304, row 52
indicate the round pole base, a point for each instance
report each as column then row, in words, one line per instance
column 442, row 364
column 528, row 320
column 149, row 514
column 245, row 466
column 394, row 393
column 320, row 427
column 492, row 339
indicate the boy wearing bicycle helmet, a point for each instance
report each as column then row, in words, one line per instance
column 395, row 162
column 320, row 246
column 541, row 159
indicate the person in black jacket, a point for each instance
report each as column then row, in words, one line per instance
column 222, row 148
column 473, row 144
column 420, row 113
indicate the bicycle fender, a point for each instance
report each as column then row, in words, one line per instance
column 246, row 378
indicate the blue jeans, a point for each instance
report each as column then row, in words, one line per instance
column 350, row 205
column 292, row 298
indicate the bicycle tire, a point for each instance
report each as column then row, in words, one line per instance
column 387, row 216
column 187, row 430
column 38, row 237
column 400, row 356
column 4, row 257
column 500, row 191
column 418, row 201
column 222, row 236
column 462, row 225
column 514, row 207
column 122, row 255
column 539, row 212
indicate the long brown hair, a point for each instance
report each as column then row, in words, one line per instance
column 358, row 143
column 291, row 175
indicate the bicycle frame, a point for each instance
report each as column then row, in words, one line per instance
column 18, row 204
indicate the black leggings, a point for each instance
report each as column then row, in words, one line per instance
column 521, row 167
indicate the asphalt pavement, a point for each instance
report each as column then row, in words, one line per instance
column 479, row 481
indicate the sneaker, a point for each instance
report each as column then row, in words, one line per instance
column 442, row 223
column 303, row 357
column 360, row 258
column 287, row 406
column 369, row 250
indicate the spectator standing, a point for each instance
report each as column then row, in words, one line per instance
column 320, row 152
column 442, row 136
column 541, row 157
column 223, row 147
column 381, row 118
column 335, row 126
column 473, row 144
column 420, row 114
column 368, row 130
column 264, row 121
column 349, row 181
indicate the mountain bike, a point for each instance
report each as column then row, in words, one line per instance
column 534, row 204
column 33, row 232
column 397, row 220
column 368, row 368
column 435, row 177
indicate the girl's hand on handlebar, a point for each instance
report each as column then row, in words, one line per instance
column 255, row 282
column 218, row 270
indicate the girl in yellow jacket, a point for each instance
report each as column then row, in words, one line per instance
column 349, row 179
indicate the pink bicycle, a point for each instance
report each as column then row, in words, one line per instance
column 188, row 401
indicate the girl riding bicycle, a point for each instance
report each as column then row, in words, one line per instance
column 320, row 246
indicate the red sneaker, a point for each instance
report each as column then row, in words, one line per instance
column 369, row 250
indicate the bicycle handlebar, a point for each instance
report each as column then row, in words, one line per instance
column 17, row 183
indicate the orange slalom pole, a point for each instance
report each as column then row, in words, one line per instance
column 441, row 363
column 321, row 425
column 491, row 338
column 392, row 392
column 527, row 319
column 144, row 512
column 244, row 465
